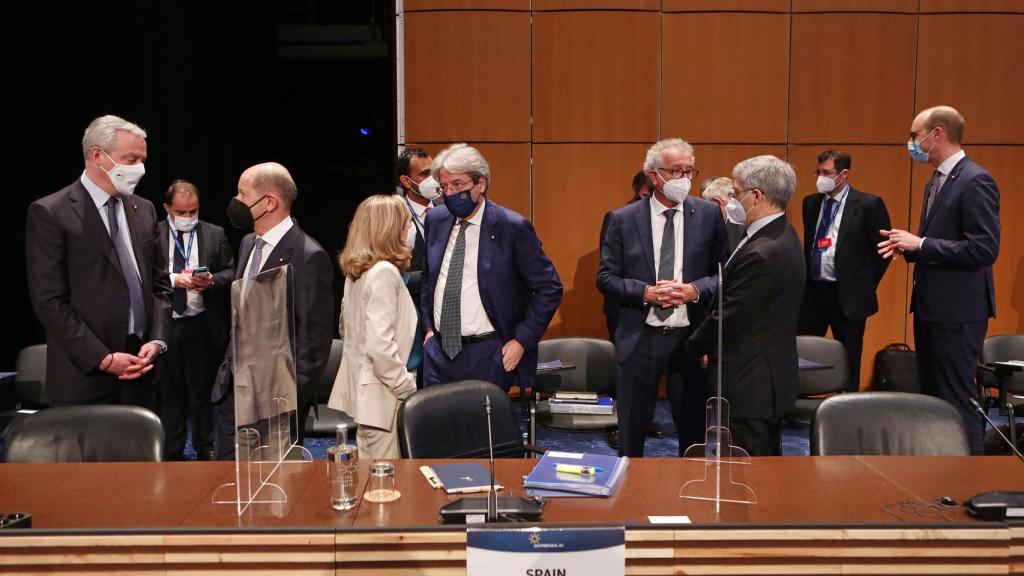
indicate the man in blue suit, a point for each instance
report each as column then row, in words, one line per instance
column 659, row 262
column 957, row 242
column 488, row 290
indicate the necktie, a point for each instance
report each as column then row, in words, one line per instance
column 451, row 315
column 667, row 260
column 826, row 222
column 933, row 191
column 136, row 300
column 254, row 266
column 179, row 265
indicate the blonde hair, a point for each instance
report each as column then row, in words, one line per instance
column 375, row 235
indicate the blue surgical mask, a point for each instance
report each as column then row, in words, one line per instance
column 915, row 151
column 461, row 204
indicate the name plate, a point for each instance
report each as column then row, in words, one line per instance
column 545, row 551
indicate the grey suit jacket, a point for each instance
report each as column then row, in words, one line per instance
column 79, row 293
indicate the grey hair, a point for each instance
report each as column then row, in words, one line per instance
column 720, row 186
column 461, row 159
column 770, row 175
column 102, row 133
column 654, row 153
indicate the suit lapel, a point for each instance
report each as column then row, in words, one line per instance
column 489, row 229
column 689, row 230
column 811, row 221
column 642, row 220
column 134, row 220
column 203, row 258
column 244, row 251
column 944, row 193
column 850, row 218
column 282, row 252
column 83, row 206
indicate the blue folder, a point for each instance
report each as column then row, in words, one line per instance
column 546, row 481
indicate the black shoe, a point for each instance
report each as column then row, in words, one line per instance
column 654, row 432
column 205, row 454
column 613, row 439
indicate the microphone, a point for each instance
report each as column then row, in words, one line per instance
column 984, row 415
column 492, row 496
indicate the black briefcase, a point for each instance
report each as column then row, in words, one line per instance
column 895, row 370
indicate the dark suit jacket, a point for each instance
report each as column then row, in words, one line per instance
column 627, row 263
column 214, row 253
column 859, row 267
column 953, row 270
column 419, row 252
column 78, row 290
column 519, row 286
column 763, row 288
column 313, row 302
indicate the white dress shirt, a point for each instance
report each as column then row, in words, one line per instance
column 474, row 318
column 271, row 238
column 828, row 257
column 100, row 198
column 193, row 298
column 419, row 216
column 678, row 318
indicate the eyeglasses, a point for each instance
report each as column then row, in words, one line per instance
column 733, row 193
column 690, row 173
column 457, row 186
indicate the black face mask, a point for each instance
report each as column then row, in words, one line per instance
column 240, row 214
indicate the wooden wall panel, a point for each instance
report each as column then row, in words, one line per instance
column 547, row 5
column 972, row 62
column 596, row 76
column 414, row 5
column 904, row 6
column 715, row 160
column 574, row 186
column 467, row 76
column 883, row 171
column 725, row 5
column 852, row 77
column 972, row 6
column 706, row 99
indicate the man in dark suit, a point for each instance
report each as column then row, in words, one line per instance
column 263, row 204
column 420, row 190
column 763, row 284
column 957, row 242
column 199, row 321
column 841, row 234
column 489, row 290
column 659, row 262
column 97, row 277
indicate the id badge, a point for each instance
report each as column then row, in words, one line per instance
column 824, row 243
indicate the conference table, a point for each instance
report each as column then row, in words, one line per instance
column 813, row 515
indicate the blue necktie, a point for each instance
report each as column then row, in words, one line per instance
column 180, row 298
column 826, row 222
column 136, row 300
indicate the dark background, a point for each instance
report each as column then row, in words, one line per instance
column 219, row 86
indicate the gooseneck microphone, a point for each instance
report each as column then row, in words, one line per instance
column 492, row 496
column 984, row 415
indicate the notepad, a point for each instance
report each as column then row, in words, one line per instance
column 464, row 478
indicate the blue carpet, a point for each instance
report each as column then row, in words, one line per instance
column 795, row 440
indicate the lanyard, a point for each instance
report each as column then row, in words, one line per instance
column 181, row 249
column 415, row 217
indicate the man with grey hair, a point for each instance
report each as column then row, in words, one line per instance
column 659, row 263
column 489, row 291
column 956, row 244
column 718, row 189
column 263, row 205
column 97, row 277
column 763, row 284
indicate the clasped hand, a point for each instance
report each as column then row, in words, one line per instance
column 128, row 366
column 668, row 293
column 897, row 242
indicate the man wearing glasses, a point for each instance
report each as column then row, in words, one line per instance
column 763, row 284
column 659, row 260
column 489, row 291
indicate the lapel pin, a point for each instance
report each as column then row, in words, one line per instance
column 492, row 236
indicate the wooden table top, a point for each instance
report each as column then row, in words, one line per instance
column 803, row 491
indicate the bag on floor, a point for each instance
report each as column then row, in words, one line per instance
column 895, row 370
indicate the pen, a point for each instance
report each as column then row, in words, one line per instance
column 432, row 478
column 578, row 469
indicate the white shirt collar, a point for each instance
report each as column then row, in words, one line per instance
column 658, row 208
column 99, row 195
column 947, row 165
column 274, row 235
column 761, row 222
column 478, row 218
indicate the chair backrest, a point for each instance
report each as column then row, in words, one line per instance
column 595, row 365
column 30, row 383
column 887, row 423
column 1006, row 347
column 449, row 421
column 86, row 434
column 323, row 390
column 823, row 351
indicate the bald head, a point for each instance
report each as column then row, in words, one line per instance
column 945, row 117
column 271, row 178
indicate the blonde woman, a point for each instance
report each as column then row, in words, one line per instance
column 378, row 325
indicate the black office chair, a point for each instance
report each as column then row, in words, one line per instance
column 887, row 424
column 1010, row 399
column 449, row 421
column 815, row 384
column 594, row 372
column 86, row 434
column 321, row 420
column 29, row 385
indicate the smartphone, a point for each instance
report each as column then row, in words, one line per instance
column 200, row 270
